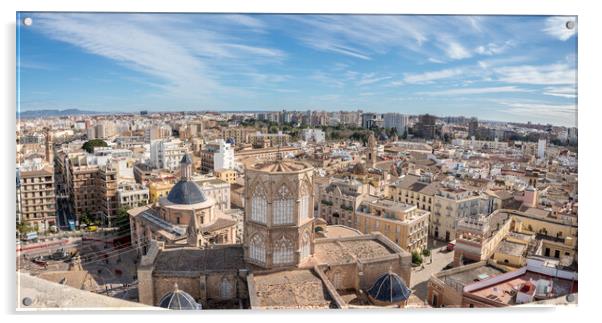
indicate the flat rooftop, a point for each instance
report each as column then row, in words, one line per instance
column 200, row 260
column 473, row 275
column 501, row 292
column 366, row 249
column 292, row 289
column 340, row 231
column 348, row 249
column 511, row 248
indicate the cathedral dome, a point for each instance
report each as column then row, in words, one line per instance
column 179, row 300
column 186, row 192
column 389, row 288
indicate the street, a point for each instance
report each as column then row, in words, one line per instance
column 440, row 259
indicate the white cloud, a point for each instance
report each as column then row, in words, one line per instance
column 494, row 48
column 372, row 78
column 431, row 76
column 455, row 50
column 481, row 90
column 436, row 61
column 557, row 27
column 180, row 57
column 565, row 92
column 561, row 114
column 555, row 74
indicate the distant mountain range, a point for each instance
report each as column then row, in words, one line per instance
column 54, row 113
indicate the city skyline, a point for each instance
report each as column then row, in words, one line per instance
column 507, row 68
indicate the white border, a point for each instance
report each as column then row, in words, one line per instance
column 589, row 117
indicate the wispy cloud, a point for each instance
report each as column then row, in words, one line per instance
column 494, row 48
column 372, row 78
column 565, row 92
column 555, row 74
column 480, row 90
column 557, row 27
column 534, row 111
column 365, row 36
column 453, row 49
column 180, row 58
column 428, row 77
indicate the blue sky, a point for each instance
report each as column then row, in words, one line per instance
column 514, row 68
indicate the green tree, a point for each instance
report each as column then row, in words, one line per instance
column 426, row 252
column 24, row 227
column 416, row 258
column 85, row 218
column 90, row 144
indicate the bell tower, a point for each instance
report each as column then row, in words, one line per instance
column 372, row 150
column 279, row 219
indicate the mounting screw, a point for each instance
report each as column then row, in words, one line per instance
column 27, row 301
column 27, row 21
column 570, row 24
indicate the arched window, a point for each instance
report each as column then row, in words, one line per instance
column 257, row 248
column 305, row 245
column 283, row 251
column 283, row 206
column 225, row 288
column 259, row 205
column 304, row 202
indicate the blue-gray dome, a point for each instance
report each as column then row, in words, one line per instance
column 389, row 288
column 186, row 192
column 179, row 300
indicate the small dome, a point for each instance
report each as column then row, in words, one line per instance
column 179, row 300
column 389, row 288
column 186, row 192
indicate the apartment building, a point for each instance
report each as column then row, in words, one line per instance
column 404, row 224
column 90, row 186
column 339, row 199
column 238, row 134
column 217, row 189
column 217, row 155
column 36, row 194
column 166, row 154
column 265, row 140
column 417, row 190
column 481, row 237
column 158, row 189
column 131, row 195
column 453, row 202
column 227, row 175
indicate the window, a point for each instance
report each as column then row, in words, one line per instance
column 283, row 251
column 283, row 207
column 257, row 248
column 259, row 205
column 304, row 203
column 305, row 245
column 225, row 288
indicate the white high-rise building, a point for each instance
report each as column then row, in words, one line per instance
column 541, row 149
column 223, row 158
column 397, row 121
column 167, row 154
